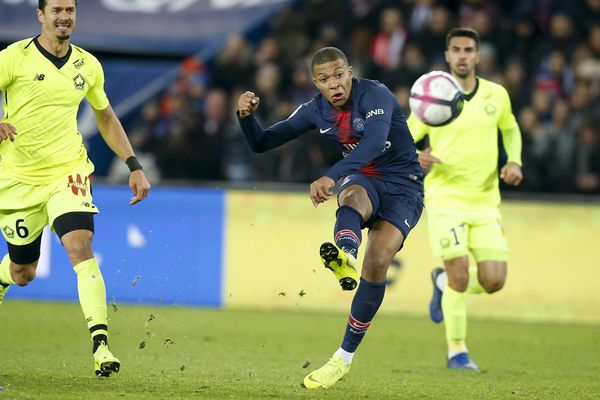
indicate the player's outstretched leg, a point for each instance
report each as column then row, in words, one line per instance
column 105, row 362
column 365, row 304
column 327, row 375
column 342, row 264
column 92, row 297
column 455, row 318
column 435, row 304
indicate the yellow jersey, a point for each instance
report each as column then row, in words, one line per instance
column 41, row 95
column 467, row 178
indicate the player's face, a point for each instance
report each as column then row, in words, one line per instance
column 462, row 56
column 334, row 81
column 58, row 19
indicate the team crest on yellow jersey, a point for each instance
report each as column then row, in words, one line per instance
column 79, row 82
column 490, row 110
column 9, row 232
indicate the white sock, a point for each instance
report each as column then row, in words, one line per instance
column 346, row 356
column 453, row 353
column 440, row 281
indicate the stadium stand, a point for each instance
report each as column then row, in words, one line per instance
column 547, row 54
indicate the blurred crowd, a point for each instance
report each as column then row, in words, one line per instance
column 546, row 53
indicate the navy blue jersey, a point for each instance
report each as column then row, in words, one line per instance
column 374, row 138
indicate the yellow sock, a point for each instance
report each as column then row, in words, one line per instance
column 474, row 285
column 5, row 276
column 454, row 307
column 92, row 297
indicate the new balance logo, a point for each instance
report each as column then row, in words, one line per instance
column 78, row 63
column 39, row 77
column 372, row 113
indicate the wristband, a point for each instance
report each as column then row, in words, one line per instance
column 133, row 164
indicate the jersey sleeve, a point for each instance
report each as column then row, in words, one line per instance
column 7, row 62
column 96, row 94
column 282, row 132
column 418, row 129
column 378, row 104
column 511, row 134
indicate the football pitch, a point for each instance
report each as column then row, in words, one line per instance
column 180, row 353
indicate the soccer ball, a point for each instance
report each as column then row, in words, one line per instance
column 436, row 98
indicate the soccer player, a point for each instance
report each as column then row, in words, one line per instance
column 462, row 195
column 381, row 185
column 44, row 167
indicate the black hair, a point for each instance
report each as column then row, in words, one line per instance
column 42, row 4
column 327, row 54
column 463, row 32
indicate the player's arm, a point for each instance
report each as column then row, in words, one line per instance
column 511, row 137
column 261, row 140
column 375, row 134
column 114, row 135
column 419, row 130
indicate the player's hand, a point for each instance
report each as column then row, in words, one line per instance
column 426, row 160
column 320, row 190
column 247, row 104
column 511, row 174
column 139, row 186
column 7, row 132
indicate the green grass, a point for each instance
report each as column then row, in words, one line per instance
column 219, row 354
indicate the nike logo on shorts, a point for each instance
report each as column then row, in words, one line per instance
column 325, row 130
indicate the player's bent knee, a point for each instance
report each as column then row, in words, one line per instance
column 23, row 274
column 356, row 197
column 492, row 286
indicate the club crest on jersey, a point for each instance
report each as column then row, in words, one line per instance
column 9, row 232
column 79, row 82
column 358, row 124
column 490, row 110
column 78, row 63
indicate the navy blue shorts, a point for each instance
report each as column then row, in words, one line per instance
column 399, row 205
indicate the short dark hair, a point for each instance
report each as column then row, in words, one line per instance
column 327, row 54
column 42, row 4
column 463, row 32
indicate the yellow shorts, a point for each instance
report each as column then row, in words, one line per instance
column 453, row 233
column 26, row 209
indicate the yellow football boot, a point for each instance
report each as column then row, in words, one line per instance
column 105, row 362
column 343, row 265
column 326, row 376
